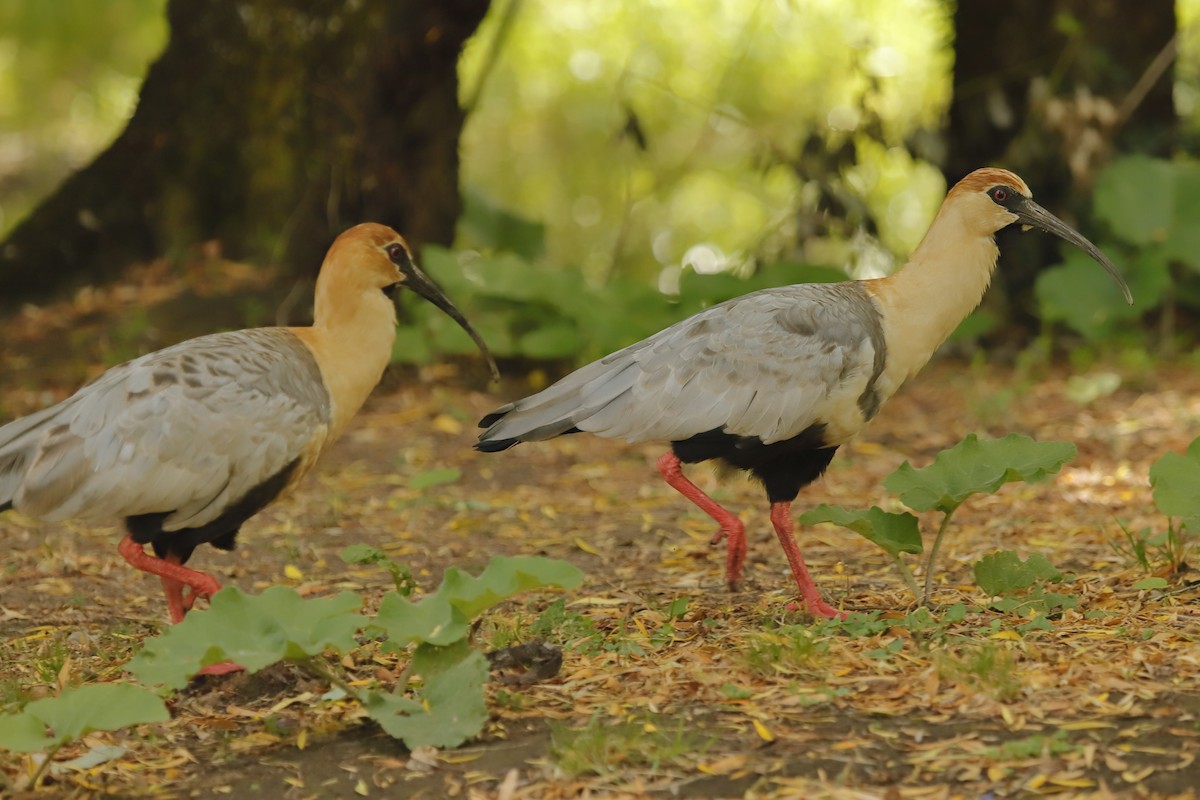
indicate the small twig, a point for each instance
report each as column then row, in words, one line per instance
column 1146, row 82
column 493, row 54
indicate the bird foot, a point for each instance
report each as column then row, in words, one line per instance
column 220, row 668
column 818, row 609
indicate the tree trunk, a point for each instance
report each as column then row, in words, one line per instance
column 270, row 127
column 1039, row 86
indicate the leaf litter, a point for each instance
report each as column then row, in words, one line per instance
column 669, row 684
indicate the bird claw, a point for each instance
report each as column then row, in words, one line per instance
column 220, row 668
column 818, row 609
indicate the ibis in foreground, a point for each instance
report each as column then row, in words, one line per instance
column 189, row 442
column 773, row 382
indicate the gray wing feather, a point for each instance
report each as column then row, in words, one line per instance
column 187, row 429
column 762, row 365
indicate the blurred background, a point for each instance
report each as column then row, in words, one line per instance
column 580, row 174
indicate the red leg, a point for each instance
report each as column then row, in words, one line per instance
column 732, row 529
column 174, row 578
column 781, row 519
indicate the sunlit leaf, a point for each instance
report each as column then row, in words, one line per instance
column 975, row 466
column 895, row 533
column 79, row 711
column 1175, row 482
column 1135, row 195
column 447, row 710
column 1003, row 573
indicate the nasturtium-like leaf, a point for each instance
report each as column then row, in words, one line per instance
column 254, row 631
column 1135, row 195
column 1152, row 582
column 434, row 477
column 973, row 466
column 1175, row 482
column 77, row 712
column 442, row 617
column 504, row 577
column 447, row 710
column 1004, row 572
column 895, row 533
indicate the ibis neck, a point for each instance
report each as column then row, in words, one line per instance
column 351, row 337
column 923, row 302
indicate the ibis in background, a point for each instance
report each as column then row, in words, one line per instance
column 773, row 382
column 189, row 442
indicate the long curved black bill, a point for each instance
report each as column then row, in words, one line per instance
column 423, row 285
column 1030, row 213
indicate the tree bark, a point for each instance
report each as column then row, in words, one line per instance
column 269, row 127
column 1038, row 89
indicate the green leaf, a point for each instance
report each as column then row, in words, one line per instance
column 77, row 712
column 973, row 467
column 441, row 618
column 1135, row 195
column 1084, row 297
column 1175, row 482
column 504, row 577
column 1153, row 582
column 448, row 710
column 895, row 533
column 363, row 554
column 434, row 477
column 1004, row 572
column 252, row 630
column 552, row 341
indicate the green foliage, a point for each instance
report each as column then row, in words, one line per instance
column 639, row 131
column 449, row 707
column 1004, row 572
column 77, row 712
column 1149, row 206
column 443, row 617
column 1174, row 482
column 254, row 631
column 402, row 576
column 970, row 467
column 895, row 533
column 434, row 477
column 69, row 75
column 603, row 746
column 1038, row 745
column 522, row 310
column 1020, row 587
column 443, row 710
column 977, row 467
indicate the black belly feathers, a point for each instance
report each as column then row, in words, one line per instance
column 221, row 532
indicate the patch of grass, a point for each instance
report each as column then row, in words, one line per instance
column 602, row 745
column 986, row 667
column 1153, row 551
column 1036, row 746
column 789, row 649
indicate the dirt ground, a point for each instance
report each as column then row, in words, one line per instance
column 734, row 696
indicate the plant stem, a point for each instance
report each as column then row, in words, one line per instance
column 41, row 770
column 907, row 575
column 933, row 551
column 316, row 666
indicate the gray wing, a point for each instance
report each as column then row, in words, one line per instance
column 188, row 429
column 767, row 364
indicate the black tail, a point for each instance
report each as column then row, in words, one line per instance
column 496, row 446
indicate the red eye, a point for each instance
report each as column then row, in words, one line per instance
column 999, row 195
